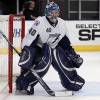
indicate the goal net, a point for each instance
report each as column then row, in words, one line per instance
column 13, row 27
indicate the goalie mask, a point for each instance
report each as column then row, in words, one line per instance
column 52, row 11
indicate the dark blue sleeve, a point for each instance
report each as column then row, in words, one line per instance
column 65, row 43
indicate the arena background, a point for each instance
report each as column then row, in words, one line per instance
column 70, row 9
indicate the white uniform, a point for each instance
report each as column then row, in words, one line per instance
column 48, row 33
column 55, row 50
column 57, row 56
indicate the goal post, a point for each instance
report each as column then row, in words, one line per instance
column 13, row 27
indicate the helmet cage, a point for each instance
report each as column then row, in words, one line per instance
column 50, row 8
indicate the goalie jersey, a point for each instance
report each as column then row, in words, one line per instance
column 47, row 33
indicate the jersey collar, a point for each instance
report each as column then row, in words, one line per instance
column 51, row 23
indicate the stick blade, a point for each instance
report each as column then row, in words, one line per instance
column 63, row 93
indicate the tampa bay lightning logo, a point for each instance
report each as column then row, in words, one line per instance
column 53, row 38
column 37, row 22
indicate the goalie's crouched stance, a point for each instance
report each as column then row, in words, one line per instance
column 43, row 58
column 31, row 56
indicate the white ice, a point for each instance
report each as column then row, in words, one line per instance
column 90, row 71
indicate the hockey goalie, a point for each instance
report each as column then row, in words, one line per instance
column 47, row 44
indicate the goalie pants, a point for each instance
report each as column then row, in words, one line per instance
column 42, row 61
column 66, row 70
column 61, row 63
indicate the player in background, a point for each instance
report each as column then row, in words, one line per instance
column 47, row 44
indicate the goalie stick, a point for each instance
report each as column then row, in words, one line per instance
column 40, row 80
